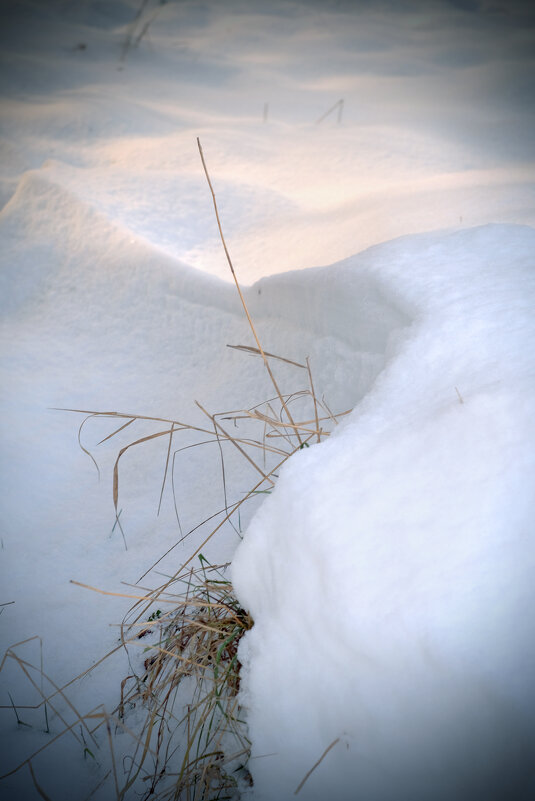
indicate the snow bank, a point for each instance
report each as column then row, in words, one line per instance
column 390, row 573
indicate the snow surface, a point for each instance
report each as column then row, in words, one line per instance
column 389, row 571
column 398, row 555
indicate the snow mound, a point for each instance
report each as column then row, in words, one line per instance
column 390, row 573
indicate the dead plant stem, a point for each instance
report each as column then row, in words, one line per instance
column 246, row 310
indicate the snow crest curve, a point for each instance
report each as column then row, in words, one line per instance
column 390, row 573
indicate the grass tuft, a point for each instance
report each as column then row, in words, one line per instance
column 201, row 746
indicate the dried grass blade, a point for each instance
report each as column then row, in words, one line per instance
column 43, row 747
column 236, row 444
column 277, row 424
column 256, row 352
column 233, row 507
column 37, row 785
column 123, row 451
column 117, row 430
column 246, row 310
column 313, row 768
column 144, row 743
column 122, row 594
column 314, row 399
column 166, row 465
column 82, row 424
column 122, row 415
column 338, row 105
column 113, row 765
column 331, row 415
column 23, row 665
column 251, row 492
column 98, row 786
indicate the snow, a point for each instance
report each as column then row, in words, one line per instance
column 397, row 554
column 389, row 572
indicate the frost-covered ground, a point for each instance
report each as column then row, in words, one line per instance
column 390, row 572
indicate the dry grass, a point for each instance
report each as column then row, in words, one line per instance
column 193, row 744
column 200, row 748
column 182, row 637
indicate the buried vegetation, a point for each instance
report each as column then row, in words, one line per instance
column 199, row 749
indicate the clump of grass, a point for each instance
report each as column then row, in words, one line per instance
column 199, row 754
column 193, row 744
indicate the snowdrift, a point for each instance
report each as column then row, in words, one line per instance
column 390, row 574
column 389, row 571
